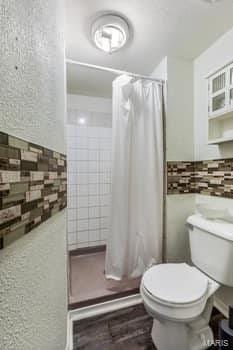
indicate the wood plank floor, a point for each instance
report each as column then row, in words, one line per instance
column 125, row 329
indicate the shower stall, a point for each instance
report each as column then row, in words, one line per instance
column 89, row 143
column 115, row 188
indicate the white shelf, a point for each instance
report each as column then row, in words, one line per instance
column 222, row 115
column 220, row 140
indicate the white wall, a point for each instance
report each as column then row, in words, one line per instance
column 179, row 139
column 90, row 104
column 178, row 73
column 216, row 56
column 160, row 72
column 179, row 109
column 179, row 207
column 33, row 276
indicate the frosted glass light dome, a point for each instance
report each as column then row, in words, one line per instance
column 110, row 33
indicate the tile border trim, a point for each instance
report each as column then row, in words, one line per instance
column 207, row 177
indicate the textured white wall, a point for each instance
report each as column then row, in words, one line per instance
column 31, row 39
column 33, row 292
column 33, row 289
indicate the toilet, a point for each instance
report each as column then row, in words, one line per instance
column 180, row 297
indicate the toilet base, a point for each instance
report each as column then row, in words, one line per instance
column 168, row 335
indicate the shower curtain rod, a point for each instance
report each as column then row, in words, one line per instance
column 115, row 71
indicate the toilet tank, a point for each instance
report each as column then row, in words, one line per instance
column 211, row 245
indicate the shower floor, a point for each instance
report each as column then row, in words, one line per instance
column 88, row 284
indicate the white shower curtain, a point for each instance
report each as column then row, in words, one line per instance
column 135, row 238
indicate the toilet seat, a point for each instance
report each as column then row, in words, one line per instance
column 175, row 283
column 175, row 291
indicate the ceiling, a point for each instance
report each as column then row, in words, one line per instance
column 182, row 28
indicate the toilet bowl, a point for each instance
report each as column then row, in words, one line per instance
column 176, row 296
column 180, row 297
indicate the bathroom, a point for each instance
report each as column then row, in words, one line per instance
column 116, row 174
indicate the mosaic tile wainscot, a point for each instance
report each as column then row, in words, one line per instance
column 33, row 186
column 208, row 177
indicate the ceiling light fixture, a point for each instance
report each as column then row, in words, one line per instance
column 110, row 33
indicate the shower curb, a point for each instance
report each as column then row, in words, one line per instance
column 97, row 309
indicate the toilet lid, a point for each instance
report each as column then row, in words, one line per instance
column 175, row 283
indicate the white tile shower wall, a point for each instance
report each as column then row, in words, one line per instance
column 89, row 157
